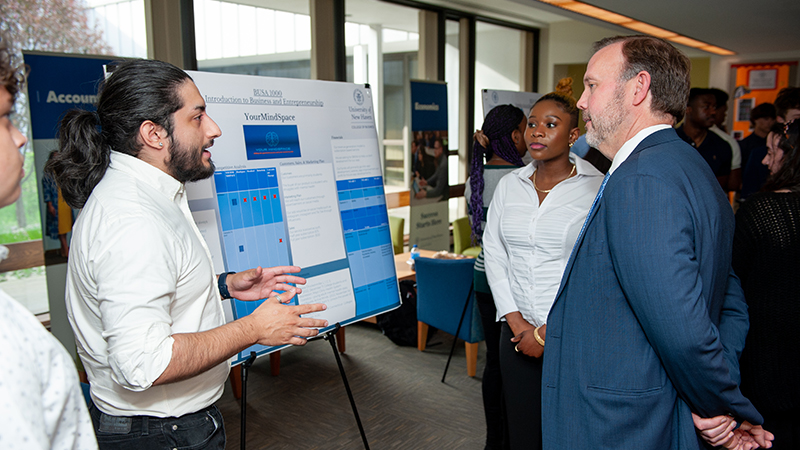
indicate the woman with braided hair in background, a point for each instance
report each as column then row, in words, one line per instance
column 501, row 142
column 536, row 216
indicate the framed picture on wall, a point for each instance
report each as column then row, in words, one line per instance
column 743, row 108
column 763, row 79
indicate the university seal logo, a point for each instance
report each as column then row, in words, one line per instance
column 358, row 96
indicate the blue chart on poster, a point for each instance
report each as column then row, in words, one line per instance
column 251, row 218
column 252, row 224
column 298, row 182
column 368, row 240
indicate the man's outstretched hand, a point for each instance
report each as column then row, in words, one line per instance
column 259, row 283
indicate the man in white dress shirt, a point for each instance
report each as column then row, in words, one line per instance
column 142, row 296
column 41, row 402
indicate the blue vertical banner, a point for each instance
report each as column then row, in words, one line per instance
column 429, row 226
column 55, row 84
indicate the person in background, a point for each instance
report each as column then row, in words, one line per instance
column 417, row 151
column 59, row 218
column 534, row 219
column 649, row 319
column 787, row 108
column 787, row 104
column 141, row 295
column 41, row 401
column 436, row 185
column 762, row 117
column 501, row 141
column 700, row 115
column 766, row 246
column 737, row 162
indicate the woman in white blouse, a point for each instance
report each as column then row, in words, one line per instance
column 534, row 219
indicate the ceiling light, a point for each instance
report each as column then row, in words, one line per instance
column 644, row 28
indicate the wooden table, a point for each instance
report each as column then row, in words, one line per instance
column 404, row 271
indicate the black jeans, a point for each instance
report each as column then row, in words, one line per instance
column 522, row 385
column 493, row 405
column 197, row 431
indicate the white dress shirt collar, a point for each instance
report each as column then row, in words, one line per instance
column 629, row 146
column 147, row 173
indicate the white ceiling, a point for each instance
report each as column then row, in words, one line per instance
column 742, row 26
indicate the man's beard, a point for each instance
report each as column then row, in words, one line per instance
column 607, row 122
column 186, row 164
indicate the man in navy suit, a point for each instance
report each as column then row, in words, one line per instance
column 649, row 321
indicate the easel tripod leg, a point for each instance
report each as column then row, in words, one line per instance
column 330, row 336
column 245, row 368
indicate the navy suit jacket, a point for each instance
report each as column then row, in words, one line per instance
column 649, row 321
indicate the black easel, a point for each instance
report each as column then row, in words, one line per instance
column 245, row 366
column 330, row 336
column 458, row 330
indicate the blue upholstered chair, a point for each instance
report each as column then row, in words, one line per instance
column 85, row 388
column 444, row 289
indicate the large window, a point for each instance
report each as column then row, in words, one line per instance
column 452, row 76
column 122, row 25
column 382, row 42
column 249, row 40
column 497, row 61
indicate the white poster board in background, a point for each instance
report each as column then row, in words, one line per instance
column 522, row 100
column 298, row 181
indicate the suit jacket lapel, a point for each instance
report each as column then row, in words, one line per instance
column 581, row 236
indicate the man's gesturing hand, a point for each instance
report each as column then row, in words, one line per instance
column 258, row 283
column 273, row 323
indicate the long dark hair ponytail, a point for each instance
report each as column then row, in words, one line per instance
column 501, row 121
column 137, row 91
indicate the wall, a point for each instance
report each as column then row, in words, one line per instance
column 720, row 66
column 565, row 43
column 700, row 71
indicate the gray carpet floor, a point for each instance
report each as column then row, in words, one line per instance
column 398, row 392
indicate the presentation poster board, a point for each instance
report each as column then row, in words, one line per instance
column 430, row 189
column 298, row 181
column 522, row 100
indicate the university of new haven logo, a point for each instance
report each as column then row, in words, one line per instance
column 358, row 96
column 495, row 97
column 273, row 139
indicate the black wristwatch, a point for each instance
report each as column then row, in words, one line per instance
column 222, row 283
